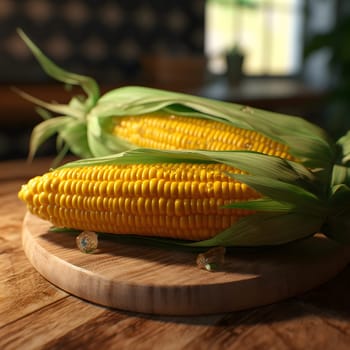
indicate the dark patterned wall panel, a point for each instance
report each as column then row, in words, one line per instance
column 105, row 39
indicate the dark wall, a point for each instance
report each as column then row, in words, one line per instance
column 105, row 39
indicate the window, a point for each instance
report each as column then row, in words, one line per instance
column 268, row 32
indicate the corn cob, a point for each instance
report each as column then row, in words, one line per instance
column 170, row 200
column 171, row 131
column 129, row 117
column 203, row 197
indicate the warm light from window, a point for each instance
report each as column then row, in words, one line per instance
column 269, row 33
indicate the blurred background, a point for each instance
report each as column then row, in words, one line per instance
column 289, row 56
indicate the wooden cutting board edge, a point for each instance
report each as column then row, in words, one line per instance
column 267, row 280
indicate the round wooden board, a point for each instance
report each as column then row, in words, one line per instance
column 168, row 282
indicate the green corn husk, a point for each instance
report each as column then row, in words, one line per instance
column 295, row 203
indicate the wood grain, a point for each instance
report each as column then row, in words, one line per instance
column 168, row 282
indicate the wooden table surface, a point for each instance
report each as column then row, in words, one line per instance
column 34, row 314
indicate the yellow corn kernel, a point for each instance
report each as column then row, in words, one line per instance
column 177, row 200
column 178, row 132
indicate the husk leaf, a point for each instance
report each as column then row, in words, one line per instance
column 88, row 84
